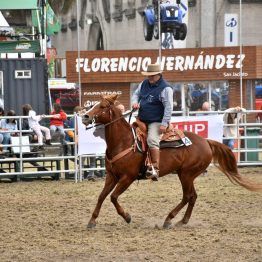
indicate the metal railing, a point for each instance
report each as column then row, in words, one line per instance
column 52, row 162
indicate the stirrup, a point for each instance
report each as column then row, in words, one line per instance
column 152, row 174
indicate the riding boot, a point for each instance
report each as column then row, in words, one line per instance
column 153, row 170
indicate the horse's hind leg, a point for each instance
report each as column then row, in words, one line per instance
column 189, row 197
column 191, row 204
column 108, row 187
column 121, row 187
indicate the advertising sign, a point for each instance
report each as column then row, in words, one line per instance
column 91, row 141
column 231, row 30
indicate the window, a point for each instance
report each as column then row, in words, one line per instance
column 190, row 96
column 20, row 74
column 244, row 1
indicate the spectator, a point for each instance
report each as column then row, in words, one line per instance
column 231, row 116
column 57, row 122
column 259, row 115
column 33, row 123
column 25, row 126
column 8, row 124
column 69, row 134
column 205, row 106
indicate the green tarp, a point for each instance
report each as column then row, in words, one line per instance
column 18, row 4
column 20, row 46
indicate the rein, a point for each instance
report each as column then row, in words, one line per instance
column 126, row 151
column 111, row 122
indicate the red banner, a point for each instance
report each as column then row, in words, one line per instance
column 198, row 127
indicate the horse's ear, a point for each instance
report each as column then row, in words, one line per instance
column 114, row 97
column 110, row 98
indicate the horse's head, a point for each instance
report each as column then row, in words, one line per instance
column 101, row 112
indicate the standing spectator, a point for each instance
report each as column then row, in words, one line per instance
column 8, row 125
column 259, row 115
column 57, row 122
column 33, row 123
column 231, row 116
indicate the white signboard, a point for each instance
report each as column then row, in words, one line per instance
column 231, row 30
column 91, row 141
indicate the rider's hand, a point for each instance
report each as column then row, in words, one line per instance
column 136, row 106
column 162, row 128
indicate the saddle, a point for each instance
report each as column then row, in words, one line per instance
column 172, row 138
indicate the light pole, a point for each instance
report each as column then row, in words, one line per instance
column 160, row 34
column 240, row 50
column 78, row 53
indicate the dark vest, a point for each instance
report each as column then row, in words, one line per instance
column 151, row 108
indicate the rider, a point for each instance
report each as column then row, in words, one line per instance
column 154, row 99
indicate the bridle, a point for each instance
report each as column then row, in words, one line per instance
column 124, row 152
column 105, row 110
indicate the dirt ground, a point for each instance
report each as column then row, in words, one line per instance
column 46, row 220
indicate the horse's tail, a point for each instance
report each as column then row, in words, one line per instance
column 224, row 159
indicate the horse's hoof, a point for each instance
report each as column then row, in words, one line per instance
column 182, row 222
column 91, row 225
column 128, row 218
column 167, row 225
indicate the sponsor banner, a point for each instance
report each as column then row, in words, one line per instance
column 20, row 46
column 207, row 126
column 91, row 141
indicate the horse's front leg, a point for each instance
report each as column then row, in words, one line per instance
column 110, row 183
column 121, row 187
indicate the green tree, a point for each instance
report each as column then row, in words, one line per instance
column 61, row 6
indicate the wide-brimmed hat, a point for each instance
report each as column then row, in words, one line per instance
column 152, row 69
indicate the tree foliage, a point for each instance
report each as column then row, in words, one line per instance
column 61, row 6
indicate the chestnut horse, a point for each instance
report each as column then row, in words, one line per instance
column 123, row 161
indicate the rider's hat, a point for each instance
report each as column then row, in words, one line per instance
column 152, row 69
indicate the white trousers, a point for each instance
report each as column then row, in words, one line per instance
column 38, row 130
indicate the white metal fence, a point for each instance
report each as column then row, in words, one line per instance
column 54, row 163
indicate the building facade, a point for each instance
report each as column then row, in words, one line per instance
column 118, row 25
column 196, row 74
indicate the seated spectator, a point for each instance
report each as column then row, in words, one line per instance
column 70, row 135
column 25, row 126
column 8, row 124
column 70, row 123
column 33, row 122
column 57, row 123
